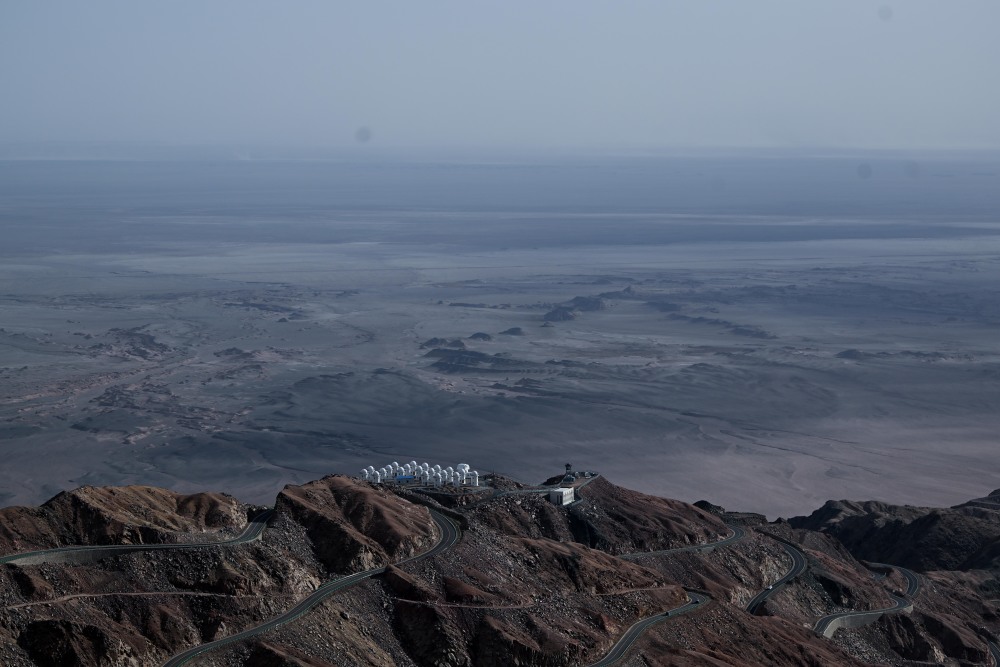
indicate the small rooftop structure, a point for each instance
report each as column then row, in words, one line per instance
column 561, row 496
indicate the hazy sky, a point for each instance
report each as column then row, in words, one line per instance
column 576, row 73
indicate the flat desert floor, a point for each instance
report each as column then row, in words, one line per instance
column 762, row 362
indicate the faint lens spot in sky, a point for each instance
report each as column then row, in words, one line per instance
column 363, row 135
column 911, row 168
column 885, row 13
column 864, row 171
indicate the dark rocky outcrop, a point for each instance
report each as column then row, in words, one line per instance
column 571, row 309
column 454, row 343
column 457, row 361
column 587, row 303
column 921, row 538
column 560, row 314
column 58, row 643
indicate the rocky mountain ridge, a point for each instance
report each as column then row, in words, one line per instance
column 527, row 583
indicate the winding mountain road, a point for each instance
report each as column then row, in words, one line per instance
column 618, row 651
column 449, row 536
column 912, row 580
column 695, row 600
column 798, row 566
column 95, row 552
column 737, row 534
column 829, row 624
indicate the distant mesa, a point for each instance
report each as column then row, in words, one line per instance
column 433, row 342
column 464, row 304
column 234, row 353
column 627, row 293
column 479, row 335
column 513, row 331
column 560, row 314
column 587, row 303
column 747, row 330
column 461, row 361
column 918, row 355
column 570, row 310
column 133, row 343
column 454, row 343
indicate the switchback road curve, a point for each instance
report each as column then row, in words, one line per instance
column 95, row 552
column 737, row 534
column 798, row 566
column 828, row 625
column 912, row 580
column 695, row 600
column 449, row 536
column 618, row 651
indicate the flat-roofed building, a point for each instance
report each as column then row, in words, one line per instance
column 561, row 496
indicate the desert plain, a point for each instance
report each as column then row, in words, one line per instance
column 764, row 337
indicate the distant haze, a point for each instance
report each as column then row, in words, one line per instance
column 592, row 74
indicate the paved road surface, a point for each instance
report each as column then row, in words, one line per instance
column 618, row 651
column 912, row 580
column 900, row 603
column 737, row 534
column 449, row 536
column 94, row 552
column 798, row 566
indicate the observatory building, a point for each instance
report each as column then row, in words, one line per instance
column 562, row 496
column 422, row 474
column 566, row 493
